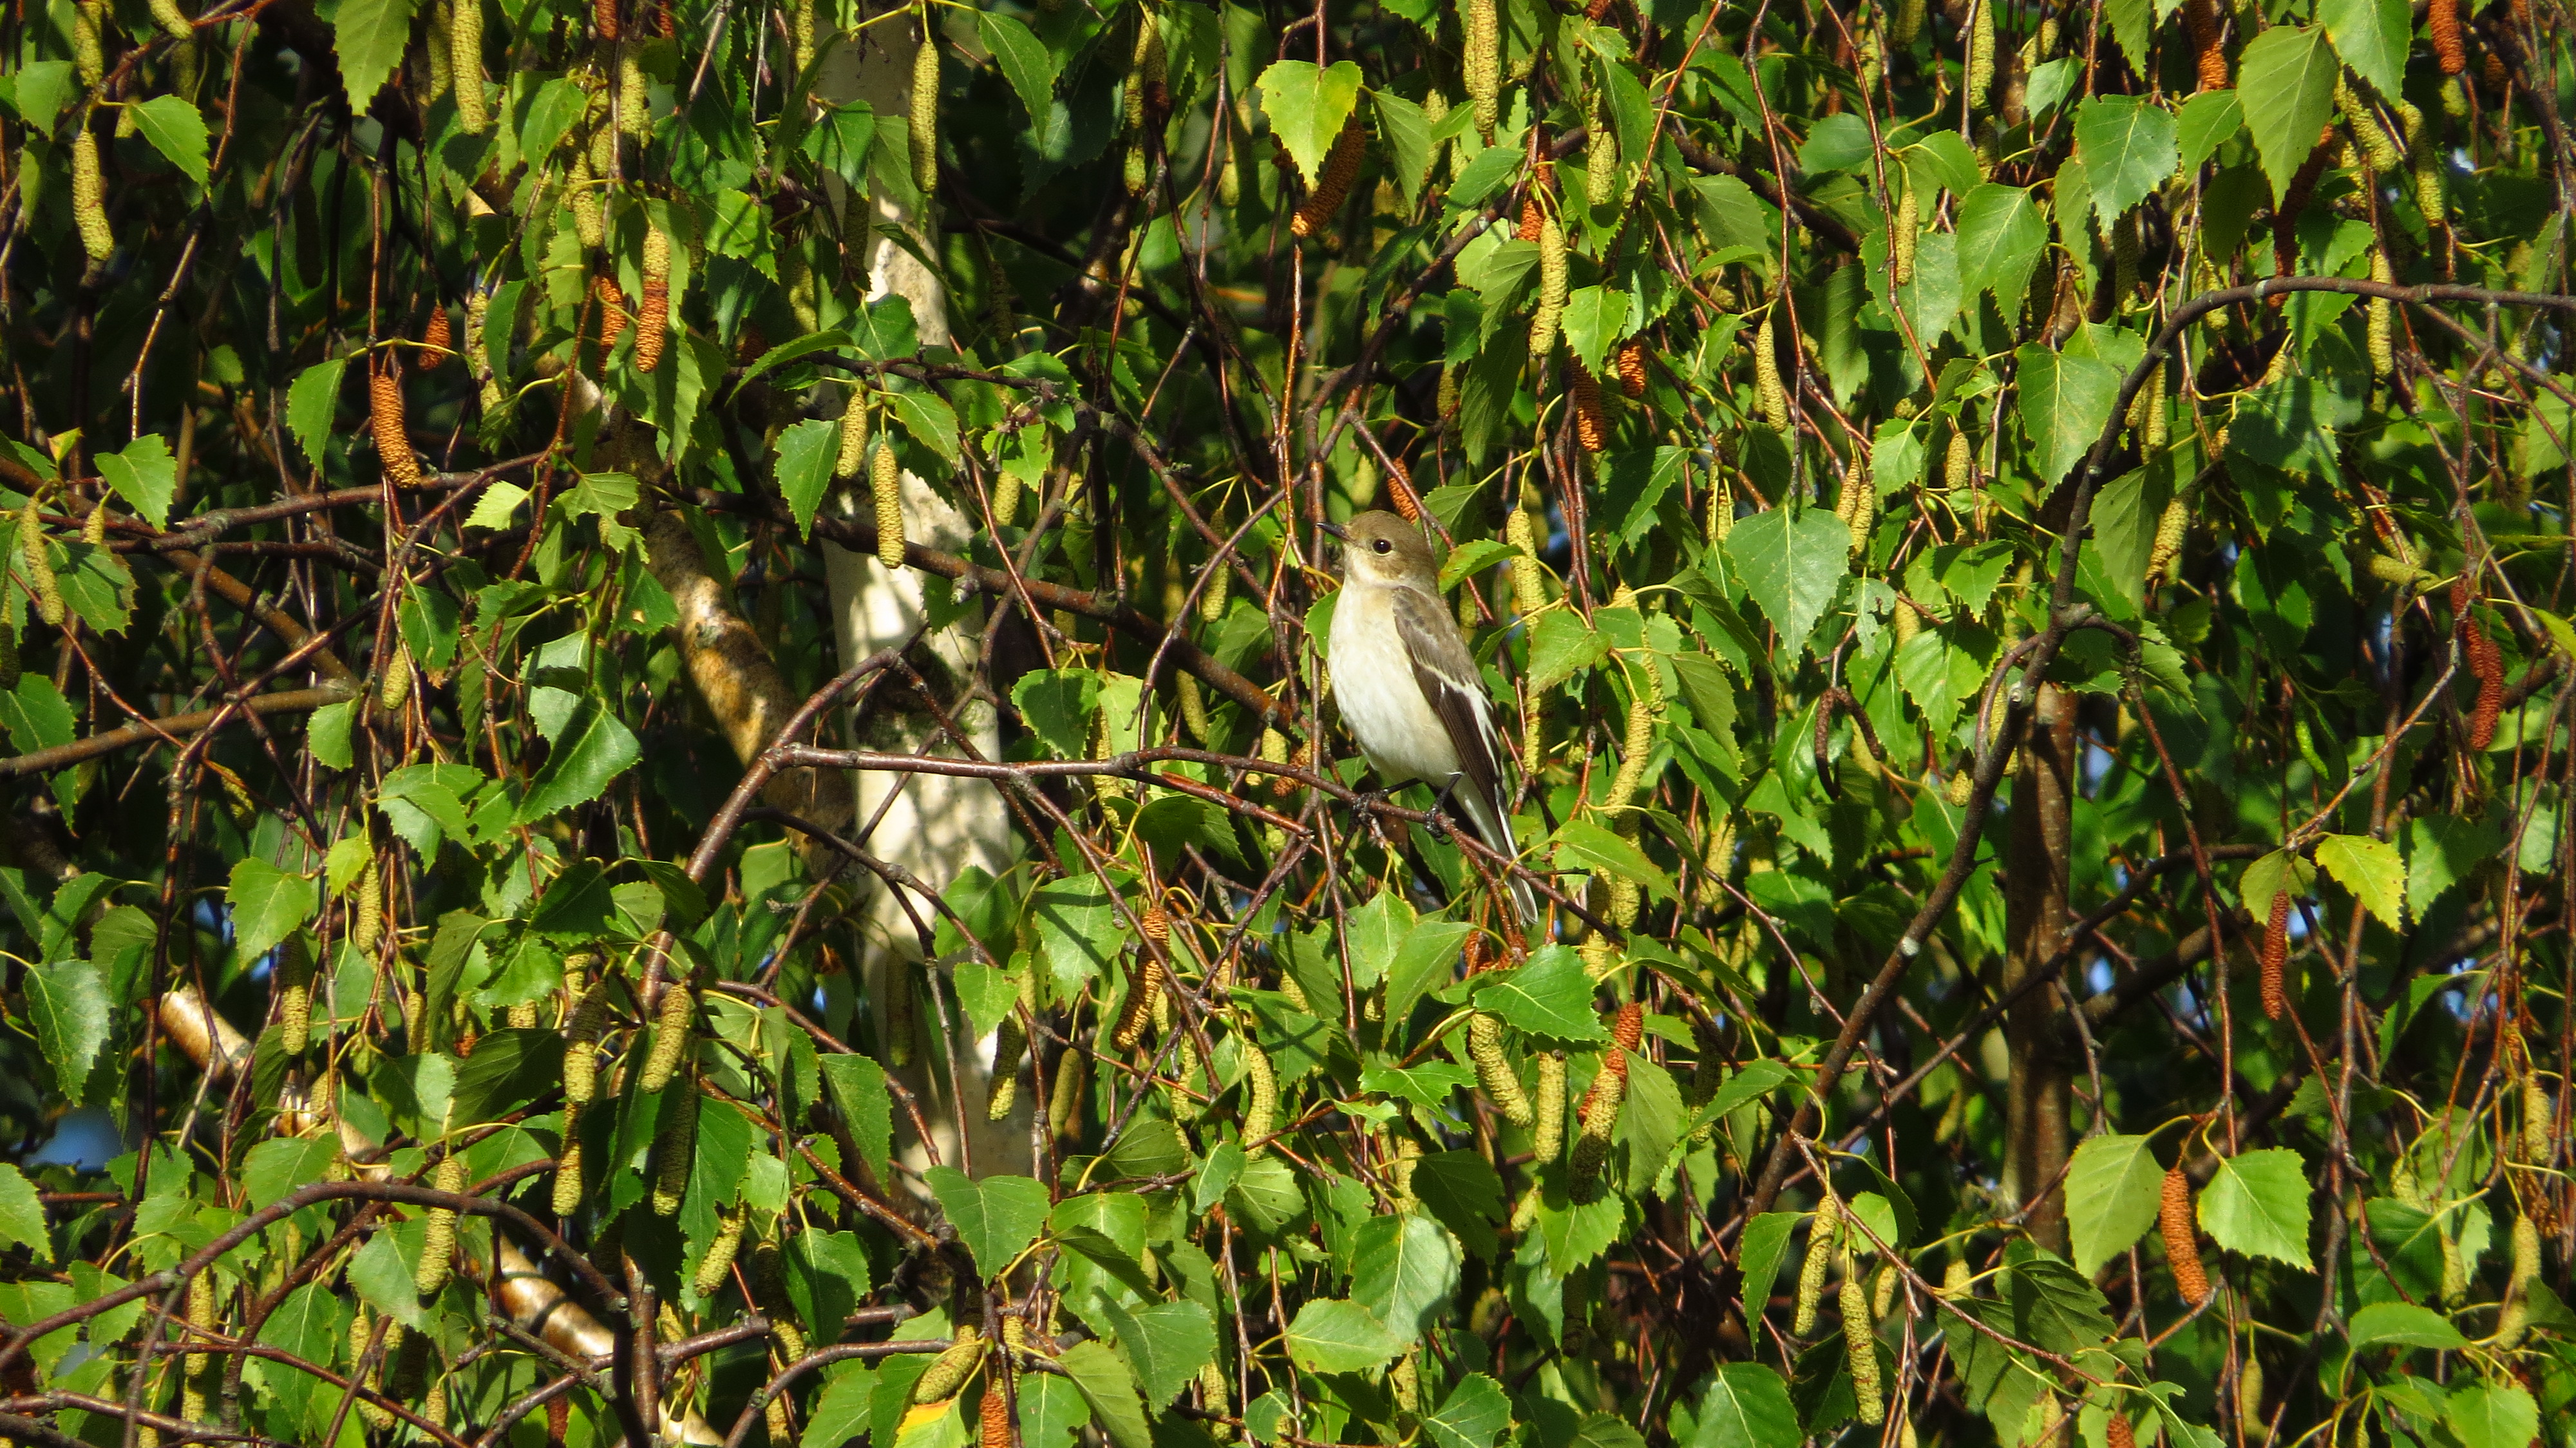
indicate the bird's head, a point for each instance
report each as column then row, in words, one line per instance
column 1384, row 549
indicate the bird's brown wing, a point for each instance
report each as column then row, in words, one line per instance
column 1456, row 692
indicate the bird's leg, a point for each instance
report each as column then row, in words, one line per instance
column 1438, row 824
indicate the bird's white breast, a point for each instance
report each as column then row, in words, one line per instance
column 1381, row 702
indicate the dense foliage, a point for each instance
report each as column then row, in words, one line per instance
column 673, row 776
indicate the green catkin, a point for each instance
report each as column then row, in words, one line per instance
column 369, row 928
column 172, row 20
column 925, row 114
column 32, row 552
column 671, row 1027
column 2379, row 151
column 885, row 481
column 948, row 1372
column 1822, row 1232
column 1006, row 499
column 720, row 1253
column 1194, row 714
column 2383, row 318
column 1599, row 1122
column 1010, row 1043
column 1600, row 156
column 1882, row 1290
column 395, row 688
column 201, row 1320
column 89, row 44
column 1958, row 466
column 2171, row 526
column 2514, row 1318
column 1529, row 582
column 1483, row 63
column 567, row 1199
column 854, row 436
column 589, row 220
column 1860, row 1343
column 1494, row 1071
column 1551, row 288
column 465, row 65
column 634, row 111
column 1958, row 1278
column 1981, row 52
column 1547, row 1138
column 1909, row 20
column 675, row 1151
column 362, row 1327
column 1909, row 231
column 1857, row 504
column 769, row 1289
column 2539, row 1122
column 294, row 996
column 438, row 1243
column 1064, row 1101
column 1767, row 388
column 1261, row 1097
column 1721, row 511
column 800, row 35
column 581, row 1034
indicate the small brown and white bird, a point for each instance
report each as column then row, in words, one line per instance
column 1406, row 684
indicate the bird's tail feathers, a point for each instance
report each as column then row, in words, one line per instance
column 1495, row 827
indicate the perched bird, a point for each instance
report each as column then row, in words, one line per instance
column 1407, row 685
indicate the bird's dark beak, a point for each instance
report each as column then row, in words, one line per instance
column 1335, row 529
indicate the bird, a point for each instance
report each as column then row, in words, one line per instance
column 1407, row 686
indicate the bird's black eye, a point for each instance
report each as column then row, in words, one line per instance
column 1384, row 546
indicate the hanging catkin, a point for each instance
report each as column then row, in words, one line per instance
column 1860, row 1344
column 854, row 436
column 885, row 480
column 675, row 1151
column 1591, row 424
column 38, row 560
column 370, row 925
column 1064, row 1101
column 567, row 1197
column 1909, row 229
column 1551, row 288
column 2442, row 27
column 1529, row 584
column 294, row 995
column 925, row 112
column 465, row 66
column 1981, row 52
column 1857, row 503
column 2200, row 21
column 671, row 1025
column 2486, row 664
column 719, row 1259
column 89, row 196
column 1333, row 186
column 1824, row 1232
column 948, row 1371
column 1767, row 389
column 1494, row 1069
column 385, row 417
column 1600, row 155
column 438, row 1240
column 1010, row 1044
column 1143, row 992
column 1600, row 1116
column 995, row 1420
column 1909, row 20
column 2383, row 318
column 1630, row 360
column 1260, row 1097
column 2182, row 1245
column 2170, row 528
column 1547, row 1139
column 581, row 1037
column 2539, row 1122
column 2275, row 958
column 653, row 318
column 1482, row 63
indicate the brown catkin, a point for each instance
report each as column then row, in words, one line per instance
column 719, row 1259
column 1630, row 359
column 653, row 318
column 1482, row 62
column 925, row 114
column 1333, row 186
column 2200, row 20
column 1627, row 1031
column 603, row 19
column 1261, row 1097
column 294, row 995
column 33, row 553
column 995, row 1422
column 2442, row 26
column 948, row 1372
column 1767, row 388
column 435, row 338
column 1823, row 1233
column 670, row 1035
column 2486, row 663
column 2182, row 1244
column 1551, row 288
column 1494, row 1069
column 385, row 417
column 612, row 312
column 1591, row 424
column 1860, row 1343
column 675, row 1151
column 885, row 480
column 89, row 196
column 438, row 1243
column 1547, row 1137
column 2275, row 958
column 1142, row 994
column 2118, row 1434
column 1533, row 216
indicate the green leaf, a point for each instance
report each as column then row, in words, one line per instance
column 2372, row 36
column 2133, row 25
column 1334, row 1336
column 1109, row 1390
column 2057, row 1308
column 1408, row 136
column 279, row 1165
column 1462, row 1189
column 1058, row 706
column 2492, row 1415
column 1427, row 1085
column 1562, row 644
column 1476, row 1412
column 2001, row 234
column 2273, row 874
column 1051, row 1410
column 932, row 422
column 2403, row 1324
column 312, row 404
column 843, row 1410
column 2208, row 120
column 269, row 904
column 1582, row 844
column 1166, row 1344
column 1429, row 953
column 1791, row 566
column 2372, row 870
column 590, row 749
column 1766, row 1242
column 2441, row 851
column 2112, row 1188
column 511, row 1068
column 2256, row 1205
column 175, row 130
column 1548, row 996
column 22, row 1216
column 2065, row 400
column 36, row 714
column 1745, row 1405
column 1595, row 319
column 1307, row 105
column 143, row 474
column 2128, row 147
column 806, row 455
column 859, row 1091
column 370, row 37
column 67, row 1002
column 2286, row 80
column 1026, row 62
column 996, row 1218
column 1402, row 1270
